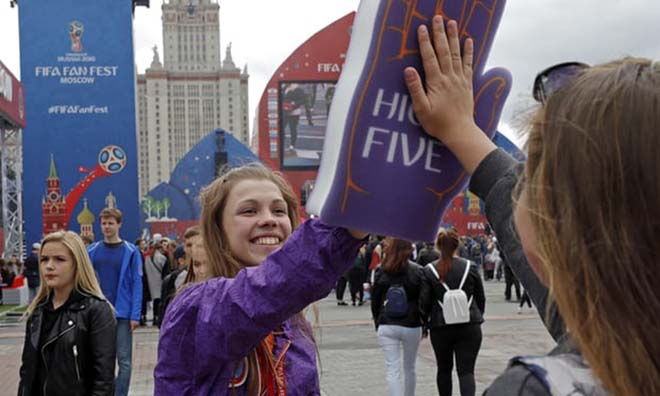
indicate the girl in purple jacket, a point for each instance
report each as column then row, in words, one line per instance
column 241, row 332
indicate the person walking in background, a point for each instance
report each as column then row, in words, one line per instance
column 6, row 278
column 356, row 277
column 32, row 270
column 156, row 266
column 293, row 103
column 69, row 346
column 427, row 255
column 143, row 247
column 199, row 268
column 177, row 275
column 6, row 273
column 118, row 265
column 340, row 288
column 491, row 261
column 15, row 265
column 395, row 311
column 241, row 331
column 460, row 339
column 374, row 261
column 510, row 280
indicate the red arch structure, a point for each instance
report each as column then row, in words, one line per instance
column 12, row 120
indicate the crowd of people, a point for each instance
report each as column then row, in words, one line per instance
column 577, row 225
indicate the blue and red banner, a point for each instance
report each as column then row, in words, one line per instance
column 79, row 145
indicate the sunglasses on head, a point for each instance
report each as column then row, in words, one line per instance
column 551, row 79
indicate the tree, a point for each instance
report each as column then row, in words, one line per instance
column 147, row 205
column 158, row 207
column 166, row 205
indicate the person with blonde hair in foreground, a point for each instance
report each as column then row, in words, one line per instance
column 70, row 333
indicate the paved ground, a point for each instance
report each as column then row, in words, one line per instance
column 351, row 360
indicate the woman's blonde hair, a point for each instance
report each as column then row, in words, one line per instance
column 593, row 192
column 213, row 200
column 220, row 259
column 84, row 279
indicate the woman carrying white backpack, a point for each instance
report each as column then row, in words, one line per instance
column 452, row 303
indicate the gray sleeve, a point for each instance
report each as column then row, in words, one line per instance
column 516, row 381
column 493, row 182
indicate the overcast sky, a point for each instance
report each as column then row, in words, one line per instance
column 533, row 34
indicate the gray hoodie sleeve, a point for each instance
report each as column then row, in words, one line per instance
column 493, row 182
column 517, row 381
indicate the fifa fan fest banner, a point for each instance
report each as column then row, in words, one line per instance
column 79, row 146
column 380, row 172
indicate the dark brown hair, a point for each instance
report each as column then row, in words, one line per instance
column 397, row 252
column 192, row 231
column 446, row 242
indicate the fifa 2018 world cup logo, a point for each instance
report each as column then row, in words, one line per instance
column 76, row 30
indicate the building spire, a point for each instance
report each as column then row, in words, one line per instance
column 155, row 61
column 228, row 63
column 52, row 174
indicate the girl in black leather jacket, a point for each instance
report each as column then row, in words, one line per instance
column 70, row 335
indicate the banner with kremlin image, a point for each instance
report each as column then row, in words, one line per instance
column 79, row 145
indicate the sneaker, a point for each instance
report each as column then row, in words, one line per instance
column 519, row 310
column 341, row 303
column 291, row 147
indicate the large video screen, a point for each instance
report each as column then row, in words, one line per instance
column 303, row 109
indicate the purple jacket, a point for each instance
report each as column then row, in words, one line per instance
column 210, row 326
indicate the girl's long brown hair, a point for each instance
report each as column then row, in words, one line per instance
column 221, row 261
column 397, row 253
column 593, row 197
column 446, row 242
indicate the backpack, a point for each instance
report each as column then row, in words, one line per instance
column 455, row 305
column 396, row 302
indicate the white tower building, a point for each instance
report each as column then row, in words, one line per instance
column 193, row 93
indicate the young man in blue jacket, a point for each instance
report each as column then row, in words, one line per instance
column 118, row 265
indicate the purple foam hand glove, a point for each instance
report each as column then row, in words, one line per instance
column 380, row 171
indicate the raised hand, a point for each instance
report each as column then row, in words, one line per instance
column 443, row 104
column 446, row 106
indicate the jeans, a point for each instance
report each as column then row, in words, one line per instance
column 390, row 338
column 462, row 341
column 124, row 352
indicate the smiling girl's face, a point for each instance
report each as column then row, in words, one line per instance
column 256, row 220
